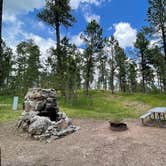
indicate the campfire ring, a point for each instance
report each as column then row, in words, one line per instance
column 116, row 126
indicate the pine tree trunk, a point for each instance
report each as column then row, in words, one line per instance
column 162, row 25
column 143, row 71
column 112, row 81
column 112, row 71
column 59, row 69
column 164, row 40
column 57, row 36
column 1, row 9
column 120, row 84
column 164, row 45
column 87, row 80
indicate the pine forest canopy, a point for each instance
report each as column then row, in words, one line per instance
column 102, row 64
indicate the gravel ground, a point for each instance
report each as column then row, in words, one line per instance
column 94, row 145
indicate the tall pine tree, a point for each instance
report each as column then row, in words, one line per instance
column 94, row 43
column 27, row 66
column 1, row 49
column 6, row 62
column 102, row 70
column 57, row 13
column 157, row 19
column 142, row 46
column 121, row 65
column 111, row 44
column 132, row 76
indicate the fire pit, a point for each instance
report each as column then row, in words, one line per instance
column 118, row 126
column 41, row 117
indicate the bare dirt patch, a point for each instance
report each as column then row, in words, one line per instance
column 95, row 144
column 136, row 105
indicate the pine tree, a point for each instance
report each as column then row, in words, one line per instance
column 120, row 58
column 33, row 65
column 1, row 42
column 6, row 62
column 149, row 77
column 111, row 44
column 69, row 80
column 71, row 68
column 1, row 12
column 142, row 46
column 46, row 74
column 103, row 71
column 55, row 14
column 28, row 65
column 158, row 62
column 94, row 43
column 157, row 19
column 132, row 76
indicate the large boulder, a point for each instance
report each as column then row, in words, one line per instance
column 41, row 117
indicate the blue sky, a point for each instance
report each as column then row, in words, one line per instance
column 123, row 18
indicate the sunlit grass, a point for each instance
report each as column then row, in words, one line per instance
column 104, row 105
column 6, row 112
column 98, row 105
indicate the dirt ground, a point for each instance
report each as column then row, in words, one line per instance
column 94, row 145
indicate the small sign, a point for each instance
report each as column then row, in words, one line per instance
column 15, row 103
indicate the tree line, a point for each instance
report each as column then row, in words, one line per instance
column 102, row 65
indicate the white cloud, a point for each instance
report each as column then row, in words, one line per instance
column 9, row 18
column 154, row 42
column 76, row 3
column 41, row 25
column 15, row 7
column 77, row 40
column 43, row 43
column 14, row 34
column 89, row 17
column 18, row 6
column 81, row 50
column 125, row 34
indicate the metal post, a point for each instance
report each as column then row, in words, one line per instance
column 15, row 103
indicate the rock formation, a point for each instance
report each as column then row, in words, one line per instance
column 41, row 117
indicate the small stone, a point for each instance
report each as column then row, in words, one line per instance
column 65, row 132
column 50, row 128
column 68, row 121
column 39, row 126
column 36, row 137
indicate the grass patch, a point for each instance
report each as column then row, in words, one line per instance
column 6, row 112
column 104, row 105
column 98, row 105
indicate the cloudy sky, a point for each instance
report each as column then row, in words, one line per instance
column 123, row 18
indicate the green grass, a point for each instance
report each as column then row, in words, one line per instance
column 6, row 113
column 98, row 105
column 104, row 105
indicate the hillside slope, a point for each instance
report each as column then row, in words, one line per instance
column 98, row 105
